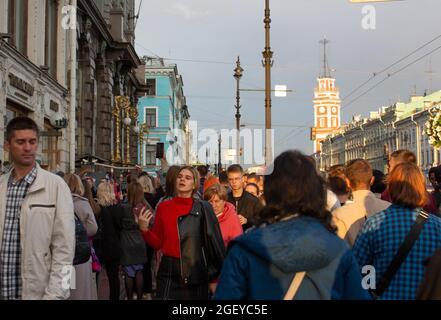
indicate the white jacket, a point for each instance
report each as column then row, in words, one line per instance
column 47, row 233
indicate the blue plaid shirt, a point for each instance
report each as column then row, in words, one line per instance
column 378, row 243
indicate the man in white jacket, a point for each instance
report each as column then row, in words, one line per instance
column 37, row 230
column 350, row 218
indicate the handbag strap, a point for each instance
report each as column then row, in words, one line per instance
column 402, row 253
column 294, row 286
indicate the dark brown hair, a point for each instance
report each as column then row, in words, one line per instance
column 170, row 180
column 235, row 168
column 135, row 194
column 294, row 187
column 20, row 123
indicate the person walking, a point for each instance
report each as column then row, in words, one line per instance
column 293, row 235
column 133, row 248
column 380, row 241
column 225, row 212
column 108, row 246
column 187, row 231
column 247, row 205
column 37, row 228
column 349, row 219
column 83, row 211
column 406, row 156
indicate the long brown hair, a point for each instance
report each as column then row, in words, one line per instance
column 170, row 180
column 89, row 196
column 135, row 194
column 294, row 187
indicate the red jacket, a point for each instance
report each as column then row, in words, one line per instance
column 229, row 223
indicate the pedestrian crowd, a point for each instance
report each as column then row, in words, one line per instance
column 186, row 234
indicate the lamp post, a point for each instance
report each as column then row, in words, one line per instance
column 219, row 165
column 267, row 63
column 238, row 75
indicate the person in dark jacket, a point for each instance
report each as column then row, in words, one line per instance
column 187, row 231
column 107, row 245
column 134, row 253
column 435, row 180
column 293, row 234
column 247, row 205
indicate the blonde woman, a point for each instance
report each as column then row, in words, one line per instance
column 152, row 189
column 84, row 212
column 108, row 248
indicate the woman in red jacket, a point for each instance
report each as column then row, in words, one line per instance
column 187, row 232
column 225, row 212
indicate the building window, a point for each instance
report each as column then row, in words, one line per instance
column 150, row 155
column 151, row 85
column 150, row 117
column 51, row 36
column 334, row 122
column 322, row 123
column 18, row 24
column 49, row 147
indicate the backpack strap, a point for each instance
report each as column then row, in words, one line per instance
column 294, row 286
column 402, row 253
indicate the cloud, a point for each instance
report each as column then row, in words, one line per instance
column 187, row 12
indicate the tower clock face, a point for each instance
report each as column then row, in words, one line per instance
column 334, row 110
column 322, row 110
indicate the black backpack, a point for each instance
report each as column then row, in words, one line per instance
column 82, row 246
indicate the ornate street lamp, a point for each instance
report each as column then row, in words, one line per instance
column 238, row 75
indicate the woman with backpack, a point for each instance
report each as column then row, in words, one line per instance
column 187, row 231
column 292, row 244
column 83, row 211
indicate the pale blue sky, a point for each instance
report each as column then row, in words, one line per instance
column 218, row 31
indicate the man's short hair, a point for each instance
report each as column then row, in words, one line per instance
column 358, row 171
column 404, row 156
column 20, row 123
column 235, row 168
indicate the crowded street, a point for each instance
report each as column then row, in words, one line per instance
column 220, row 151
